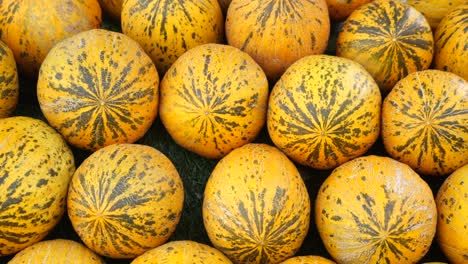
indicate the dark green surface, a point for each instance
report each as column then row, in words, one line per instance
column 194, row 171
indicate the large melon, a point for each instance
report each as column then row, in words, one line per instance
column 375, row 210
column 182, row 252
column 98, row 88
column 166, row 28
column 452, row 224
column 125, row 199
column 57, row 251
column 425, row 122
column 389, row 38
column 451, row 38
column 214, row 99
column 32, row 27
column 276, row 33
column 324, row 111
column 435, row 10
column 256, row 208
column 36, row 166
column 9, row 88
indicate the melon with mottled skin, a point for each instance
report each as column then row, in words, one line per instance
column 308, row 260
column 36, row 166
column 182, row 252
column 56, row 251
column 112, row 8
column 166, row 28
column 341, row 9
column 9, row 88
column 425, row 122
column 256, row 207
column 375, row 210
column 276, row 33
column 451, row 37
column 324, row 111
column 32, row 27
column 214, row 99
column 435, row 10
column 389, row 38
column 125, row 199
column 452, row 225
column 98, row 88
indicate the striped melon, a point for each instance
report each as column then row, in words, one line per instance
column 435, row 10
column 32, row 27
column 112, row 7
column 324, row 111
column 276, row 33
column 256, row 208
column 57, row 251
column 341, row 9
column 389, row 38
column 375, row 210
column 182, row 252
column 166, row 29
column 214, row 99
column 451, row 38
column 425, row 122
column 452, row 225
column 9, row 89
column 308, row 260
column 125, row 199
column 36, row 166
column 98, row 88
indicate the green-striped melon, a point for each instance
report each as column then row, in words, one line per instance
column 324, row 111
column 256, row 207
column 56, row 251
column 98, row 88
column 435, row 10
column 214, row 99
column 276, row 33
column 32, row 27
column 451, row 37
column 9, row 88
column 182, row 252
column 389, row 38
column 166, row 28
column 36, row 166
column 452, row 224
column 125, row 199
column 375, row 210
column 425, row 122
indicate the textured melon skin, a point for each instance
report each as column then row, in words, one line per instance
column 9, row 89
column 375, row 210
column 98, row 88
column 389, row 38
column 324, row 111
column 256, row 208
column 308, row 260
column 32, row 27
column 58, row 251
column 36, row 168
column 341, row 9
column 452, row 230
column 182, row 252
column 125, row 199
column 425, row 122
column 435, row 10
column 450, row 42
column 276, row 33
column 166, row 28
column 214, row 99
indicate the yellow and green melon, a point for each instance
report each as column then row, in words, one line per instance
column 9, row 88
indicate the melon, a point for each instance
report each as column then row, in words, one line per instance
column 36, row 168
column 9, row 88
